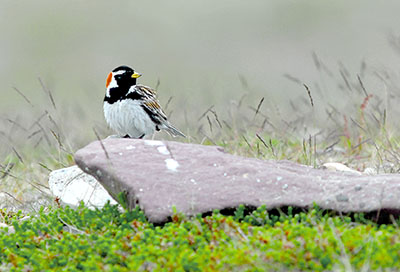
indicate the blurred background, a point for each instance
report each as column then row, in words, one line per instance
column 198, row 54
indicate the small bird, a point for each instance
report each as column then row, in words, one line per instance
column 132, row 110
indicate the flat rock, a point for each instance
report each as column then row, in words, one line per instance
column 195, row 179
column 72, row 186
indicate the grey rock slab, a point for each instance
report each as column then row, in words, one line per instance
column 195, row 179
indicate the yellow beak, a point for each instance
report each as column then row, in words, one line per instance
column 136, row 75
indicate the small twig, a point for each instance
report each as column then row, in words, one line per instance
column 204, row 114
column 169, row 100
column 57, row 138
column 320, row 65
column 292, row 78
column 7, row 170
column 362, row 85
column 241, row 100
column 10, row 195
column 209, row 123
column 169, row 150
column 45, row 167
column 258, row 107
column 255, row 110
column 345, row 80
column 19, row 156
column 16, row 123
column 72, row 227
column 34, row 133
column 101, row 143
column 48, row 93
column 226, row 124
column 208, row 138
column 262, row 140
column 243, row 81
column 157, row 84
column 310, row 147
column 38, row 142
column 328, row 148
column 37, row 120
column 309, row 94
column 362, row 142
column 242, row 234
column 52, row 120
column 23, row 96
column 247, row 142
column 358, row 125
column 44, row 133
column 315, row 151
column 216, row 117
column 394, row 222
column 265, row 144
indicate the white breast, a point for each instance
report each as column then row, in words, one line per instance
column 128, row 117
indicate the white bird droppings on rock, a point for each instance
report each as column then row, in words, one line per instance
column 153, row 143
column 163, row 150
column 130, row 147
column 171, row 164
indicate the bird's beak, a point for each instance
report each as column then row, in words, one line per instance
column 136, row 75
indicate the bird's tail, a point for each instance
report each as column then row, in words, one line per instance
column 173, row 131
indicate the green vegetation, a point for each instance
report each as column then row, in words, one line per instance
column 110, row 240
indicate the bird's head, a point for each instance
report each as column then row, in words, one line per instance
column 122, row 76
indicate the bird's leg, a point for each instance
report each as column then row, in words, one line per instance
column 141, row 136
column 127, row 136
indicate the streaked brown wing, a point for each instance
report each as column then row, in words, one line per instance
column 151, row 104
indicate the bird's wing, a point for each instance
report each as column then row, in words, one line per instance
column 150, row 104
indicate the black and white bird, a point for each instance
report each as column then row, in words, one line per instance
column 132, row 110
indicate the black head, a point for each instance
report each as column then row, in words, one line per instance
column 123, row 68
column 124, row 76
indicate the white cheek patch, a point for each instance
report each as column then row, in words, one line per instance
column 113, row 83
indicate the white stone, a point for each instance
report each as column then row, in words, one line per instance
column 370, row 171
column 72, row 186
column 10, row 228
column 336, row 166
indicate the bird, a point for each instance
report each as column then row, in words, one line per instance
column 132, row 110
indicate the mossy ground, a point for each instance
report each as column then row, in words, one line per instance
column 63, row 239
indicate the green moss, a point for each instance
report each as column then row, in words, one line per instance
column 110, row 240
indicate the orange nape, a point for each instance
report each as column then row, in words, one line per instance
column 108, row 79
